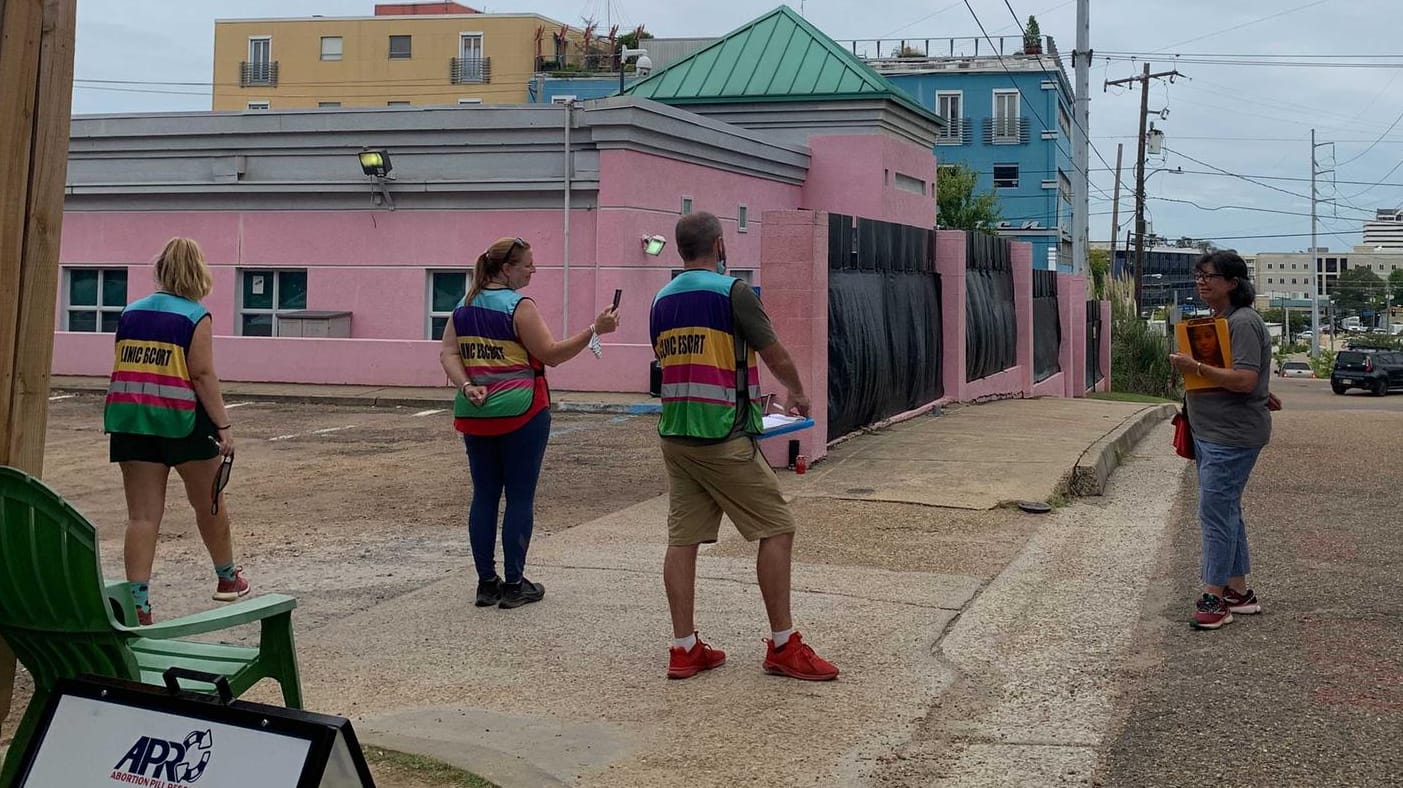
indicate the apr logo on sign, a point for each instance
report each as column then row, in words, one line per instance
column 158, row 762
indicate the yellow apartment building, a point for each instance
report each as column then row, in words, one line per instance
column 416, row 54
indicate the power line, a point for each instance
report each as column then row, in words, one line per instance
column 1247, row 24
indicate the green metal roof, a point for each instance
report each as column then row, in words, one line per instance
column 778, row 57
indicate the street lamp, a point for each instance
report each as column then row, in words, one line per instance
column 643, row 66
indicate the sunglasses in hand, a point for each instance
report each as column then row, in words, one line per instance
column 221, row 479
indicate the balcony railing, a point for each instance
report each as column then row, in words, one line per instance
column 1005, row 131
column 258, row 74
column 470, row 70
column 959, row 132
column 579, row 63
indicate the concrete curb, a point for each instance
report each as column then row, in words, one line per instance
column 1088, row 477
column 614, row 408
column 499, row 768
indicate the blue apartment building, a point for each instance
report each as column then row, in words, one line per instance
column 1010, row 120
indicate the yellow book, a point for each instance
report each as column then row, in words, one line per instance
column 1206, row 340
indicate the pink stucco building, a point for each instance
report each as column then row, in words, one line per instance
column 321, row 276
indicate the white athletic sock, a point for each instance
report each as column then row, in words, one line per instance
column 685, row 643
column 780, row 638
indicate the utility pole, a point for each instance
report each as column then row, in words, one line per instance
column 1115, row 210
column 1144, row 80
column 1314, row 262
column 1081, row 66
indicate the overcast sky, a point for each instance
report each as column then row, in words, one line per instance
column 1250, row 120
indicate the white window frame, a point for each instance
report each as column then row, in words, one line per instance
column 954, row 133
column 686, row 206
column 481, row 56
column 564, row 99
column 98, row 308
column 340, row 48
column 274, row 311
column 429, row 313
column 260, row 39
column 1005, row 123
column 389, row 50
column 468, row 102
column 742, row 218
column 260, row 105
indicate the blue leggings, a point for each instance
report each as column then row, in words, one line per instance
column 510, row 463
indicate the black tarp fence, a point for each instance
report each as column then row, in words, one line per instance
column 884, row 341
column 1093, row 344
column 1047, row 326
column 991, row 322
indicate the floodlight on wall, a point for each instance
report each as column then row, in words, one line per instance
column 653, row 245
column 375, row 163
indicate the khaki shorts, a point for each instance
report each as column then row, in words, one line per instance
column 731, row 477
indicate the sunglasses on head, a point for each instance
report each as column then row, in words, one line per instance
column 518, row 241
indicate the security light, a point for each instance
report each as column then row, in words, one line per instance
column 653, row 245
column 375, row 163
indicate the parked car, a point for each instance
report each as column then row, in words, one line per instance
column 1296, row 369
column 1373, row 370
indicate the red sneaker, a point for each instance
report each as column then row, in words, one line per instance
column 143, row 617
column 796, row 660
column 229, row 590
column 1245, row 603
column 1211, row 612
column 684, row 664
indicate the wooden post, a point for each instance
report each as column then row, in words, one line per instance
column 36, row 58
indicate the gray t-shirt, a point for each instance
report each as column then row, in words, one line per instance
column 1227, row 418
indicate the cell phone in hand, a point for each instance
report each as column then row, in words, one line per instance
column 617, row 295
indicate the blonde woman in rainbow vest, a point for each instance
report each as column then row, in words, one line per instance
column 164, row 410
column 495, row 350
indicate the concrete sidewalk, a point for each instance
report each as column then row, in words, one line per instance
column 408, row 396
column 571, row 691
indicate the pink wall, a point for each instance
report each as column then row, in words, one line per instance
column 1021, row 255
column 1071, row 304
column 856, row 175
column 795, row 254
column 1054, row 386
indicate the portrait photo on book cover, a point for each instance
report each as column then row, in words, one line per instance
column 1205, row 346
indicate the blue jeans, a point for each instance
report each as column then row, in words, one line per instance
column 1222, row 475
column 508, row 463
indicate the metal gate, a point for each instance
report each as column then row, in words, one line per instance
column 991, row 322
column 1047, row 326
column 1093, row 344
column 884, row 343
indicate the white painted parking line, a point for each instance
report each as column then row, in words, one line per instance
column 313, row 432
column 237, row 405
column 428, row 412
column 62, row 396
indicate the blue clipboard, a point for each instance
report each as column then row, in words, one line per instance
column 776, row 425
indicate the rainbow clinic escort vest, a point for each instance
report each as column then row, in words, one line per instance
column 693, row 333
column 150, row 392
column 494, row 357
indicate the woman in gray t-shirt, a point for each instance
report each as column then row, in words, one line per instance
column 1231, row 425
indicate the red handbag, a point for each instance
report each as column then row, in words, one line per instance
column 1183, row 435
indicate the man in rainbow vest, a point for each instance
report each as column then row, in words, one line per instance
column 707, row 329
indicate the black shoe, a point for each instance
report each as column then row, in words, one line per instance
column 489, row 593
column 518, row 594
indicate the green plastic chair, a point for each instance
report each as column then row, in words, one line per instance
column 63, row 620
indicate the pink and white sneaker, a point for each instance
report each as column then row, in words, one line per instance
column 230, row 590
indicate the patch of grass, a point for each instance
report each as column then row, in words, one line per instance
column 393, row 768
column 1127, row 396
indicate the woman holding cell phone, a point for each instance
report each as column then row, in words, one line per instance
column 495, row 350
column 164, row 410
